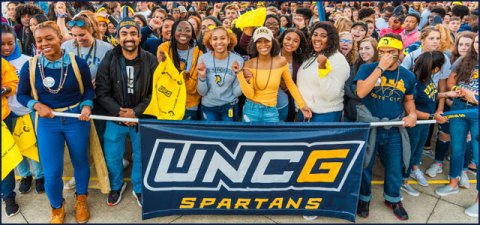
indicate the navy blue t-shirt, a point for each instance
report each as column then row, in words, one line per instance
column 425, row 96
column 386, row 98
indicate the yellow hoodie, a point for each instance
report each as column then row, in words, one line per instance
column 193, row 98
column 9, row 79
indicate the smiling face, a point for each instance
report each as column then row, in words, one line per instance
column 272, row 24
column 48, row 41
column 206, row 23
column 291, row 42
column 346, row 44
column 8, row 44
column 112, row 29
column 366, row 51
column 358, row 33
column 219, row 41
column 129, row 38
column 167, row 30
column 183, row 33
column 264, row 46
column 319, row 39
column 33, row 24
column 82, row 36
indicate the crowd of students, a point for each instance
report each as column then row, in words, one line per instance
column 367, row 62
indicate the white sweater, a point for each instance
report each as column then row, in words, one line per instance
column 324, row 95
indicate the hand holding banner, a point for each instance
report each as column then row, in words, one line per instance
column 11, row 156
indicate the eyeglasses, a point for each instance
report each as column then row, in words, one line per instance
column 271, row 24
column 78, row 23
column 346, row 41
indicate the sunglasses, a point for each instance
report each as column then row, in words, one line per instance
column 346, row 41
column 78, row 23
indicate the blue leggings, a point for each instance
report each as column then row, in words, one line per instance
column 52, row 135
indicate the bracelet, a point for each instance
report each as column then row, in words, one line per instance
column 431, row 117
column 455, row 88
column 380, row 68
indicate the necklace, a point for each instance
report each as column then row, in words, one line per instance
column 395, row 84
column 269, row 73
column 94, row 48
column 220, row 80
column 49, row 82
column 186, row 61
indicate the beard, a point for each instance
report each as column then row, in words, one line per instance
column 130, row 48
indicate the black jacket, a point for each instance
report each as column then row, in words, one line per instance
column 109, row 89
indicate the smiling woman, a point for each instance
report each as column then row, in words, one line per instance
column 321, row 78
column 184, row 53
column 261, row 77
column 46, row 78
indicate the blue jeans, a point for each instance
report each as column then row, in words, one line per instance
column 255, row 112
column 322, row 117
column 460, row 127
column 114, row 148
column 8, row 184
column 389, row 146
column 227, row 112
column 418, row 136
column 52, row 135
column 24, row 167
column 191, row 115
column 283, row 113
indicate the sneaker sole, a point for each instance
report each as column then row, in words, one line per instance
column 136, row 198
column 405, row 190
column 119, row 198
column 15, row 213
column 446, row 194
column 471, row 215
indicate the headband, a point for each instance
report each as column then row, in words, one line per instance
column 390, row 42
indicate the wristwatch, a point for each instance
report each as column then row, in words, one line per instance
column 431, row 117
column 4, row 90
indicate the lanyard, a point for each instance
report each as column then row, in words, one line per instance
column 94, row 48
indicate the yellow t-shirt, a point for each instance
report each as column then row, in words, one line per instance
column 263, row 88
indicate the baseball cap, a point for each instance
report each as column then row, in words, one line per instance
column 262, row 32
column 363, row 24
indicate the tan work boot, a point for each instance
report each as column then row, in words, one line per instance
column 81, row 209
column 58, row 215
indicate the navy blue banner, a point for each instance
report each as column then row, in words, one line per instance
column 237, row 168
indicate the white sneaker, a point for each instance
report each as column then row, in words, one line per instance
column 409, row 189
column 472, row 210
column 126, row 163
column 464, row 180
column 418, row 175
column 310, row 218
column 434, row 169
column 70, row 184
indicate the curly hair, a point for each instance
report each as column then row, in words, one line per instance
column 466, row 67
column 464, row 34
column 300, row 56
column 333, row 40
column 231, row 37
column 21, row 10
column 446, row 41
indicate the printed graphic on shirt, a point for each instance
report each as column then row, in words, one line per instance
column 389, row 90
column 472, row 85
column 431, row 91
column 130, row 79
